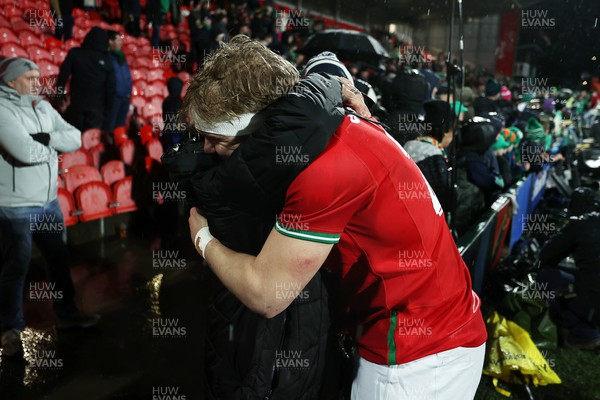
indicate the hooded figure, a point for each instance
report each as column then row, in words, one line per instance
column 579, row 312
column 92, row 81
column 173, row 130
column 478, row 136
column 428, row 150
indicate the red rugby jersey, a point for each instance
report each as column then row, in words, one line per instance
column 406, row 290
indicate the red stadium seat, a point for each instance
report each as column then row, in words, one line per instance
column 69, row 160
column 154, row 149
column 67, row 206
column 138, row 74
column 138, row 102
column 47, row 68
column 96, row 154
column 146, row 134
column 28, row 39
column 142, row 41
column 37, row 54
column 150, row 110
column 13, row 11
column 154, row 89
column 112, row 171
column 137, row 90
column 130, row 49
column 91, row 138
column 78, row 12
column 184, row 76
column 79, row 32
column 52, row 43
column 155, row 75
column 69, row 44
column 80, row 174
column 120, row 135
column 13, row 50
column 83, row 22
column 20, row 25
column 4, row 23
column 127, row 151
column 122, row 196
column 94, row 201
column 58, row 55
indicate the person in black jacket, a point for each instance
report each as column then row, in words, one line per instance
column 579, row 309
column 92, row 81
column 244, row 349
column 489, row 102
column 403, row 98
column 428, row 150
column 476, row 155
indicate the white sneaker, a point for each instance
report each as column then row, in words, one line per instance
column 11, row 343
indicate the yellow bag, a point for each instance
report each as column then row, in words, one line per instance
column 513, row 357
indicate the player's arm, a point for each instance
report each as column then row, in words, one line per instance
column 268, row 283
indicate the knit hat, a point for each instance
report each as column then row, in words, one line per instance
column 12, row 68
column 327, row 62
column 501, row 143
column 436, row 115
column 492, row 88
column 514, row 135
column 534, row 130
column 506, row 93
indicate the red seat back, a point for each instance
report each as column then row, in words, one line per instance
column 113, row 171
column 13, row 50
column 127, row 151
column 77, row 157
column 7, row 36
column 80, row 174
column 94, row 200
column 67, row 206
column 96, row 154
column 155, row 149
column 122, row 195
column 91, row 138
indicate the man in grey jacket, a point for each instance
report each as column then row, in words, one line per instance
column 31, row 134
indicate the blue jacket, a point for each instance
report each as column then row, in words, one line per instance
column 123, row 81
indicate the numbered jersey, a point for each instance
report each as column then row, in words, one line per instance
column 405, row 290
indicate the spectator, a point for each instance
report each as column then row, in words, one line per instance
column 155, row 16
column 172, row 132
column 502, row 149
column 578, row 307
column 123, row 83
column 132, row 12
column 349, row 195
column 200, row 28
column 489, row 103
column 478, row 158
column 92, row 81
column 428, row 150
column 63, row 19
column 403, row 98
column 31, row 133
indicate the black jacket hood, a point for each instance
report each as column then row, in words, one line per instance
column 96, row 39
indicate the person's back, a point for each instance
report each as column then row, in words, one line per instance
column 92, row 81
column 407, row 288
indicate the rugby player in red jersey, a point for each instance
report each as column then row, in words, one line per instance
column 363, row 209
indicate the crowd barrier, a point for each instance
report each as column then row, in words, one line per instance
column 483, row 244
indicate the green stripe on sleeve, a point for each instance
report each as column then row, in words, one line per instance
column 317, row 237
column 391, row 341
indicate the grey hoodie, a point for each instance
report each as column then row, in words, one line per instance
column 28, row 169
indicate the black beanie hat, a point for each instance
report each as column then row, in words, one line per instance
column 478, row 135
column 492, row 88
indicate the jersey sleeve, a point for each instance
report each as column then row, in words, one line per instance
column 321, row 201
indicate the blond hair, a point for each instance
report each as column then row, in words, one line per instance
column 242, row 76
